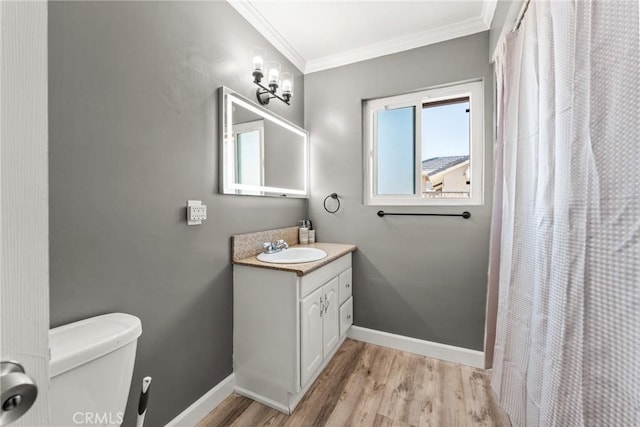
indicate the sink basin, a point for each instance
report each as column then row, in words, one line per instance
column 293, row 256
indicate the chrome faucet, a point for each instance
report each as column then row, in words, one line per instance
column 273, row 247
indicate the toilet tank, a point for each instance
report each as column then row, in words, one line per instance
column 91, row 367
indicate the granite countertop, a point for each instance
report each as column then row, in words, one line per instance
column 333, row 250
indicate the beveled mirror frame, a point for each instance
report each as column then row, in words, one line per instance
column 227, row 183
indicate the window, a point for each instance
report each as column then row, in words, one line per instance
column 425, row 148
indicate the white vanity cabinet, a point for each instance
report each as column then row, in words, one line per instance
column 286, row 328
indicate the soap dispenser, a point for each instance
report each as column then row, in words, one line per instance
column 312, row 232
column 303, row 233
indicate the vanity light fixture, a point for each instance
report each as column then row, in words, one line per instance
column 274, row 78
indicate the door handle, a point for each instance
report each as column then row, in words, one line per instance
column 326, row 304
column 18, row 391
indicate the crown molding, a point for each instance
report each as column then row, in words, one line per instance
column 488, row 10
column 255, row 18
column 387, row 47
column 400, row 44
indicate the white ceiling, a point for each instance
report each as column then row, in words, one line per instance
column 316, row 35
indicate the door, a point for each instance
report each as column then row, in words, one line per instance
column 311, row 335
column 331, row 318
column 24, row 257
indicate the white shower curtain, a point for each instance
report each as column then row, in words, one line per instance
column 567, row 349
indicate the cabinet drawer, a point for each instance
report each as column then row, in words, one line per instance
column 315, row 279
column 346, row 316
column 345, row 285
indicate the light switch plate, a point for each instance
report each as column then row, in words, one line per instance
column 196, row 212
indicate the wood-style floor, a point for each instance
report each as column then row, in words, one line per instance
column 368, row 385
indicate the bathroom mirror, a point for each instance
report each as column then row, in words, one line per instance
column 261, row 154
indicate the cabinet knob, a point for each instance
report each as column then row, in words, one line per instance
column 348, row 285
column 348, row 317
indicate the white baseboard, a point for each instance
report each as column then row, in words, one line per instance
column 207, row 403
column 448, row 353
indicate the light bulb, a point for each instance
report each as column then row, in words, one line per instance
column 287, row 84
column 274, row 73
column 258, row 56
column 257, row 63
column 273, row 76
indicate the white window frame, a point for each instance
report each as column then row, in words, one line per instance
column 475, row 91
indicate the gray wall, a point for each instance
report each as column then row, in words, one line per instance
column 133, row 135
column 416, row 276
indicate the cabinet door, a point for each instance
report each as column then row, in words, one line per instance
column 331, row 317
column 311, row 334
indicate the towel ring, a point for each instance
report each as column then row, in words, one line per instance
column 333, row 196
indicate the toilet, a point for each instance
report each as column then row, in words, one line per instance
column 91, row 367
